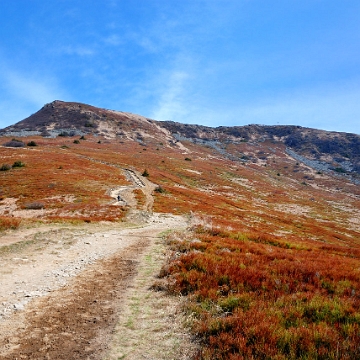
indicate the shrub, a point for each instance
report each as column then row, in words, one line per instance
column 14, row 143
column 76, row 141
column 159, row 189
column 18, row 164
column 83, row 138
column 187, row 159
column 45, row 133
column 5, row 167
column 34, row 205
column 145, row 173
column 64, row 134
column 32, row 143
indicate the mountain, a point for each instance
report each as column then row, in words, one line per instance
column 332, row 152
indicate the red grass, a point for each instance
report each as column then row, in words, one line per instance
column 7, row 223
column 254, row 298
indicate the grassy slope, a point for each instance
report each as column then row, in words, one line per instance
column 271, row 264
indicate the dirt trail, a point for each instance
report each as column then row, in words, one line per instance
column 64, row 290
column 125, row 193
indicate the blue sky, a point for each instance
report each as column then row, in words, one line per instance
column 223, row 62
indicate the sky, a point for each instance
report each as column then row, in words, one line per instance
column 208, row 62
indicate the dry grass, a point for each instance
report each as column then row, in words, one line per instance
column 7, row 223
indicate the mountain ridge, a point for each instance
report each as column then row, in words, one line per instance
column 324, row 150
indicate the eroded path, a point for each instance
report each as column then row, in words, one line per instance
column 70, row 292
column 64, row 301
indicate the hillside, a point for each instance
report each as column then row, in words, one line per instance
column 268, row 265
column 322, row 150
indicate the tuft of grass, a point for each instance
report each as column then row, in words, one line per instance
column 7, row 223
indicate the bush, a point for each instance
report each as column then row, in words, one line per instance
column 18, row 164
column 64, row 134
column 76, row 141
column 45, row 133
column 83, row 138
column 32, row 143
column 159, row 189
column 187, row 159
column 5, row 167
column 14, row 143
column 145, row 173
column 34, row 206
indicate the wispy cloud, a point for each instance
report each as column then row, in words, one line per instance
column 31, row 90
column 114, row 40
column 172, row 100
column 22, row 94
column 77, row 50
column 323, row 109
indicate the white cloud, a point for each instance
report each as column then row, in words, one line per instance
column 114, row 40
column 77, row 50
column 321, row 109
column 172, row 100
column 23, row 94
column 34, row 91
